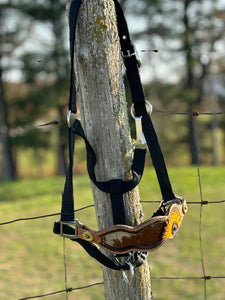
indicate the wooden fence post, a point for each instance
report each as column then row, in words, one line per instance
column 102, row 103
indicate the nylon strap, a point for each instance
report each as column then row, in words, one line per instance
column 67, row 210
column 130, row 61
column 157, row 159
column 139, row 105
column 114, row 187
column 74, row 8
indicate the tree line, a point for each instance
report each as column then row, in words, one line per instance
column 185, row 75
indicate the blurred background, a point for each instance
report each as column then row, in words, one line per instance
column 185, row 75
column 184, row 80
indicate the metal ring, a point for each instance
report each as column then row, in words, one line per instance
column 132, row 109
column 129, row 282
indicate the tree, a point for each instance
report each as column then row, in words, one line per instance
column 200, row 37
column 103, row 113
column 10, row 40
column 21, row 103
column 189, row 37
column 53, row 64
column 42, row 62
column 8, row 167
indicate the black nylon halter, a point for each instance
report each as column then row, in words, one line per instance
column 115, row 187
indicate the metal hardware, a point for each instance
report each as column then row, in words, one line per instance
column 87, row 236
column 137, row 58
column 128, row 55
column 131, row 280
column 131, row 261
column 73, row 224
column 184, row 207
column 121, row 260
column 140, row 138
column 178, row 200
column 135, row 53
column 149, row 108
column 143, row 255
column 68, row 118
column 126, row 260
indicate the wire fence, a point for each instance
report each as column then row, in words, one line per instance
column 205, row 277
column 21, row 130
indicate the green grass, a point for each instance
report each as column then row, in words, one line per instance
column 31, row 256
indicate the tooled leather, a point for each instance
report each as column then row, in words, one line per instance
column 147, row 236
column 123, row 238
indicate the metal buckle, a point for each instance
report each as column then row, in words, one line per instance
column 135, row 53
column 178, row 200
column 128, row 55
column 140, row 138
column 73, row 224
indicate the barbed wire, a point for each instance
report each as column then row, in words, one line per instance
column 63, row 291
column 200, row 229
column 65, row 266
column 67, row 290
column 191, row 113
column 201, row 203
column 22, row 130
column 188, row 277
column 41, row 216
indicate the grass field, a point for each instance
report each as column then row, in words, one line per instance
column 31, row 256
